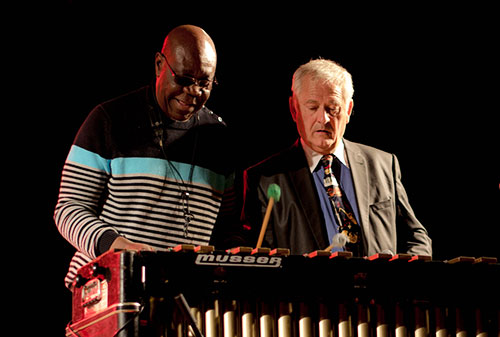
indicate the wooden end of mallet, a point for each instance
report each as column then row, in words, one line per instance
column 273, row 193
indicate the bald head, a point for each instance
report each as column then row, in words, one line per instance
column 188, row 52
column 188, row 41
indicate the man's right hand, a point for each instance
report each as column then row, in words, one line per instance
column 123, row 243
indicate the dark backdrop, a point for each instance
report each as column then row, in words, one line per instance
column 425, row 87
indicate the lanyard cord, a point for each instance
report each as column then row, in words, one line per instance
column 159, row 133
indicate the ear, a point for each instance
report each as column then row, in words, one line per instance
column 158, row 64
column 349, row 110
column 293, row 111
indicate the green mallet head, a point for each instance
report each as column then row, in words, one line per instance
column 274, row 191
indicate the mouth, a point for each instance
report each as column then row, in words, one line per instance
column 324, row 132
column 184, row 105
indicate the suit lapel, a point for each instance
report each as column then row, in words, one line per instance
column 359, row 173
column 301, row 180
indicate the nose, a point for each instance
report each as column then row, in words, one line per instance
column 322, row 116
column 194, row 90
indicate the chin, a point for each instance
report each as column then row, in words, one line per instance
column 325, row 147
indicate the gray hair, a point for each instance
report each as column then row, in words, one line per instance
column 327, row 71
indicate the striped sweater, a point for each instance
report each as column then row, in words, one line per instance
column 117, row 180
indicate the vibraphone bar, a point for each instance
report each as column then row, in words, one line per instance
column 260, row 292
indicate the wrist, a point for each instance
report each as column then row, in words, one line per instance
column 106, row 241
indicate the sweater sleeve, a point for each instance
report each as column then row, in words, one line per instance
column 84, row 179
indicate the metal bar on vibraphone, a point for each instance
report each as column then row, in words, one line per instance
column 324, row 323
column 381, row 330
column 305, row 321
column 344, row 324
column 398, row 312
column 344, row 327
column 420, row 309
column 421, row 319
column 440, row 321
column 481, row 330
column 481, row 317
column 460, row 326
column 211, row 318
column 400, row 322
column 461, row 311
column 266, row 320
column 229, row 318
column 248, row 326
column 285, row 319
column 382, row 326
column 363, row 326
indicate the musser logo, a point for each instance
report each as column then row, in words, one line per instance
column 238, row 260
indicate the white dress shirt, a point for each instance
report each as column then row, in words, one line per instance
column 314, row 157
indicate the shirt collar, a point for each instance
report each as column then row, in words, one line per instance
column 314, row 157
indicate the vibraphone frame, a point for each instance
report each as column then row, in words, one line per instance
column 238, row 293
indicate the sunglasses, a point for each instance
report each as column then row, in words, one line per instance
column 187, row 81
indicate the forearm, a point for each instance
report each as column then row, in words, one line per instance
column 79, row 226
column 76, row 213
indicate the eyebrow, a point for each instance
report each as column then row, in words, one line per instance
column 313, row 101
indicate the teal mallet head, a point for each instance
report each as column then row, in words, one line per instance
column 274, row 191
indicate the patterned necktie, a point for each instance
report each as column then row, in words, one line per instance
column 341, row 206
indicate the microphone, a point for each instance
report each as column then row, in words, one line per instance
column 273, row 193
column 338, row 240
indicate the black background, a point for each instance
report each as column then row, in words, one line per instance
column 425, row 81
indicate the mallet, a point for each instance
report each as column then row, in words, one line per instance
column 273, row 193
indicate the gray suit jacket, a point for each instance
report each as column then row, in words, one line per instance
column 387, row 220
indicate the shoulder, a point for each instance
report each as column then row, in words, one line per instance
column 213, row 131
column 367, row 151
column 135, row 97
column 377, row 161
column 112, row 120
column 208, row 117
column 127, row 108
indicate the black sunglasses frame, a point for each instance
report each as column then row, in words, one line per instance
column 187, row 81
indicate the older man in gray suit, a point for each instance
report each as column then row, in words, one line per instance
column 358, row 197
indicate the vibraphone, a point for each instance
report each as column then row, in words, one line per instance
column 196, row 291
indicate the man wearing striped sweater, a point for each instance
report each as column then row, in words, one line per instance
column 149, row 170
